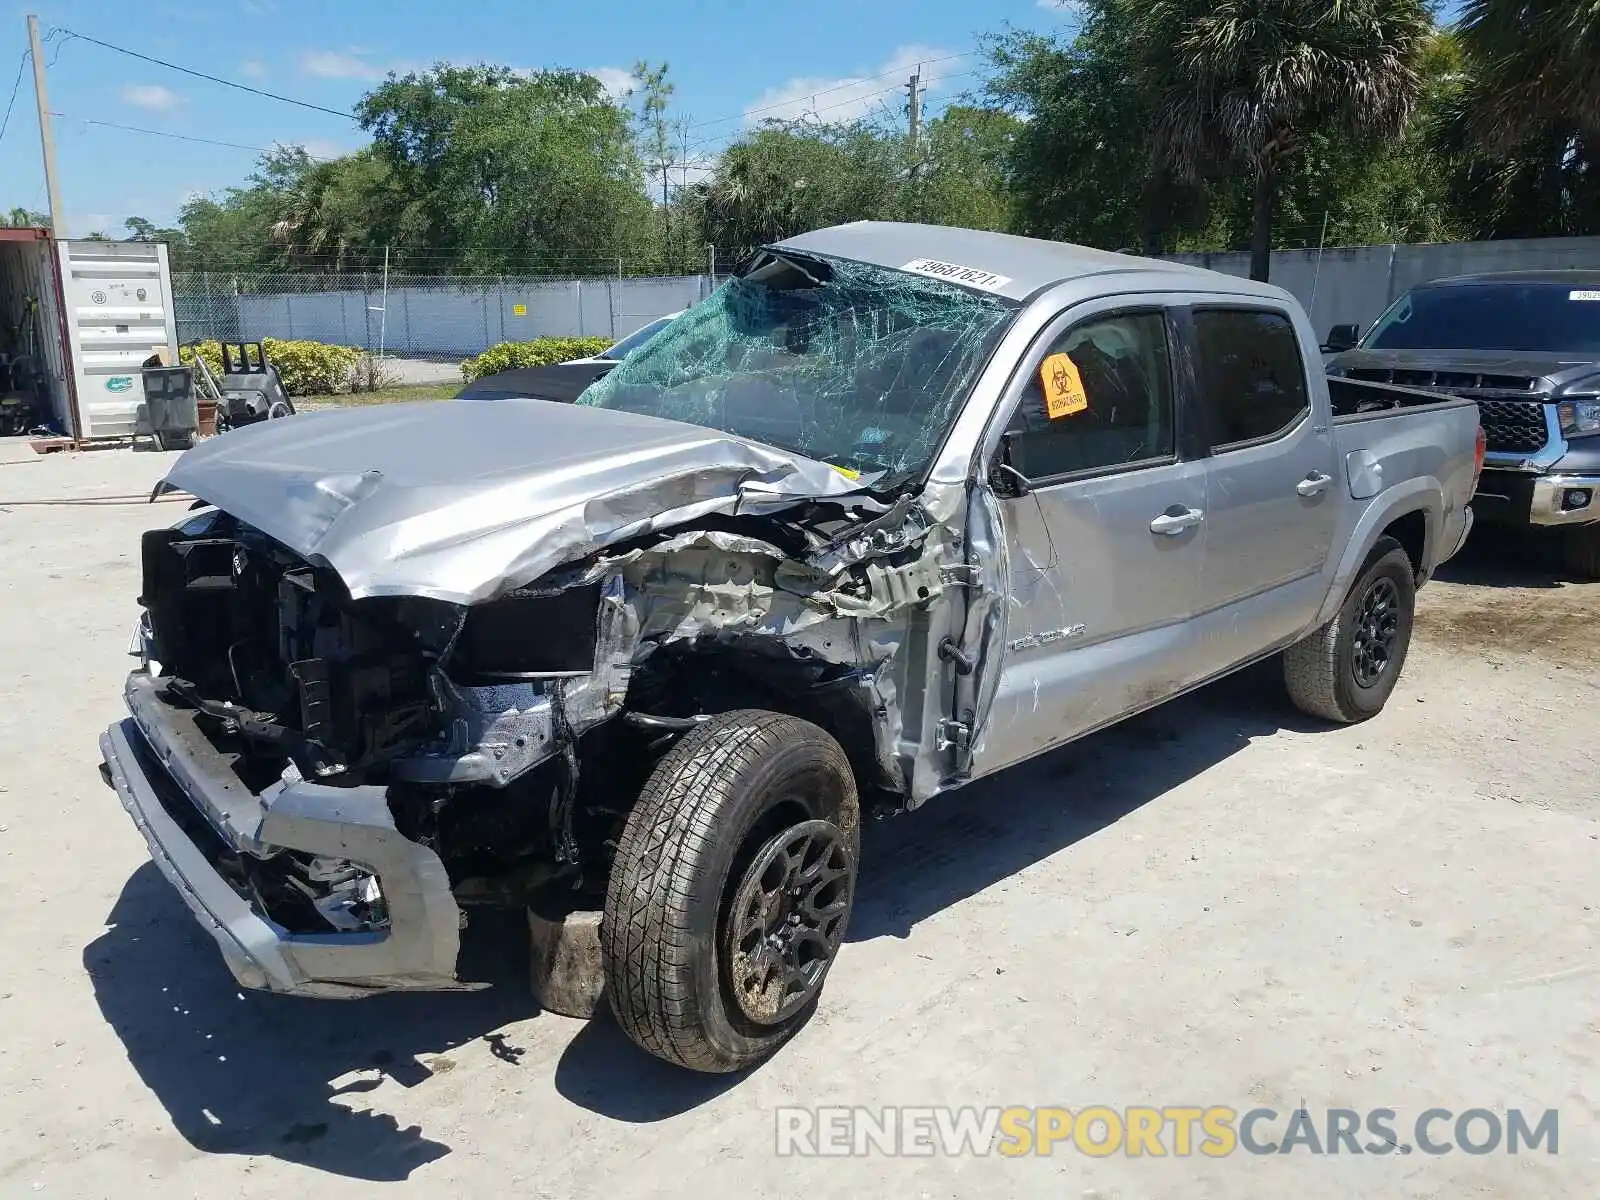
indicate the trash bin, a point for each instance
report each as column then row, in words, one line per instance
column 170, row 404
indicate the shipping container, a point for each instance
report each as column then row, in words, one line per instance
column 89, row 314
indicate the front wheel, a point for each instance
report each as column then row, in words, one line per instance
column 1345, row 670
column 731, row 889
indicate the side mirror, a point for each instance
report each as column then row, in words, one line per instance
column 1341, row 338
column 1006, row 481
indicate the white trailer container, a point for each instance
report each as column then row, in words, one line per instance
column 93, row 312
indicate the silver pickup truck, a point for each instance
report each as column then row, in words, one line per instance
column 893, row 510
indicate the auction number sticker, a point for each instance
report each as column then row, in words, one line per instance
column 1583, row 295
column 956, row 273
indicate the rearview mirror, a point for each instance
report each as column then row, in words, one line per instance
column 1341, row 338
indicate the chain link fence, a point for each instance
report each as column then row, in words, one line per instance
column 421, row 316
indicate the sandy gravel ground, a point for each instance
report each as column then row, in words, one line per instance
column 1219, row 903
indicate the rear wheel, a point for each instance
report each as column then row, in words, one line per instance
column 1345, row 670
column 731, row 889
column 1580, row 548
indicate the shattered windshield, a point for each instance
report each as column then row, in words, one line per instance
column 859, row 366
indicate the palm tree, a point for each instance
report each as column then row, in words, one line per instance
column 1238, row 82
column 1536, row 68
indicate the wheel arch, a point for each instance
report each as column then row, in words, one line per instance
column 1410, row 512
column 709, row 678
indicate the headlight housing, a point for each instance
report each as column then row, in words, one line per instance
column 1579, row 416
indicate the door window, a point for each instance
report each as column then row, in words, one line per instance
column 1250, row 374
column 1099, row 399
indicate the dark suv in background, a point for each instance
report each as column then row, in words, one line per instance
column 1526, row 346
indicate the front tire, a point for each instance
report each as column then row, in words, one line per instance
column 731, row 889
column 1346, row 670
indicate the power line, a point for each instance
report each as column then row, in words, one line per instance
column 185, row 137
column 332, row 112
column 21, row 66
column 182, row 137
column 811, row 112
column 849, row 83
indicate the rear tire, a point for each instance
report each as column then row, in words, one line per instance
column 731, row 890
column 1346, row 670
column 1580, row 551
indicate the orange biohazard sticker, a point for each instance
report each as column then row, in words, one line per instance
column 1063, row 389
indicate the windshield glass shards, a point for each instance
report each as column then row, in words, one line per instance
column 855, row 365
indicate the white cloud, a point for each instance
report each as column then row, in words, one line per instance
column 845, row 99
column 322, row 148
column 617, row 81
column 702, row 168
column 253, row 69
column 340, row 64
column 151, row 97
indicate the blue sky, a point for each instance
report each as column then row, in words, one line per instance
column 727, row 58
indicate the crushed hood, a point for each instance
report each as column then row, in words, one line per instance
column 461, row 502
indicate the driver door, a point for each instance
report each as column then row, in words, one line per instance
column 1104, row 543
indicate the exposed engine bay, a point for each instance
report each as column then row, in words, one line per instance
column 510, row 736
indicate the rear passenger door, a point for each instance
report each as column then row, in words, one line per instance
column 1272, row 498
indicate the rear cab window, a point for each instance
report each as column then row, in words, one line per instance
column 1252, row 378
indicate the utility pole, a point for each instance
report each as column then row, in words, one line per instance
column 914, row 109
column 47, row 138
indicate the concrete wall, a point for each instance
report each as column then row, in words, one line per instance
column 1354, row 284
column 1343, row 284
column 444, row 318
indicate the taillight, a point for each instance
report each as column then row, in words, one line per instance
column 1479, row 447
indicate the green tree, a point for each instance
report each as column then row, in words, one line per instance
column 340, row 214
column 1525, row 132
column 655, row 91
column 499, row 168
column 1080, row 166
column 1238, row 85
column 24, row 218
column 1352, row 189
column 961, row 179
column 787, row 178
column 1538, row 64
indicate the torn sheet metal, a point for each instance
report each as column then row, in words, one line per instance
column 462, row 502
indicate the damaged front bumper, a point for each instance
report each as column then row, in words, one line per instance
column 202, row 824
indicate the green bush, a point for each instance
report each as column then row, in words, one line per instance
column 540, row 353
column 307, row 368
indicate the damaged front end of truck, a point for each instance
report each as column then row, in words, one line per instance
column 372, row 698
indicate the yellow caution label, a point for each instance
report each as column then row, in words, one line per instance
column 1063, row 387
column 519, row 310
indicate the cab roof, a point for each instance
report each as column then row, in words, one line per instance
column 1002, row 263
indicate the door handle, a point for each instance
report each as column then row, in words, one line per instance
column 1173, row 523
column 1313, row 483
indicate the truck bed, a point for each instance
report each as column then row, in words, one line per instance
column 1358, row 397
